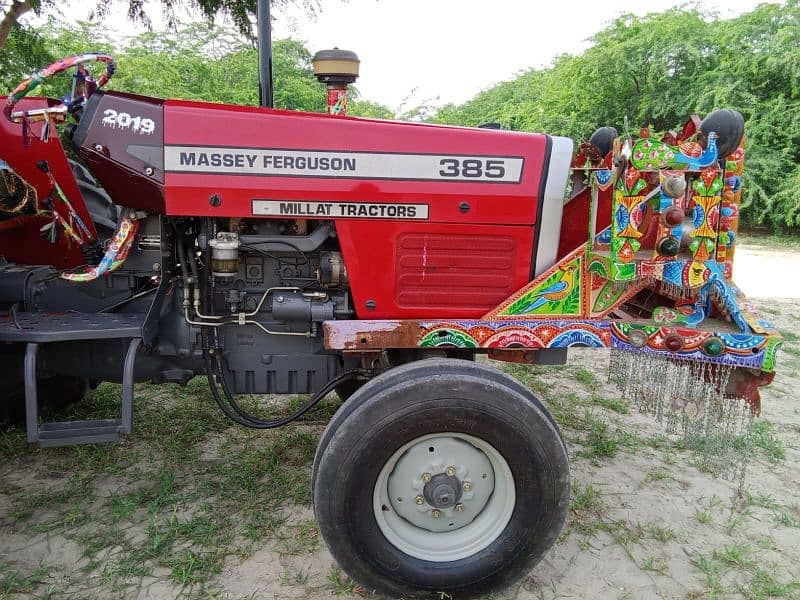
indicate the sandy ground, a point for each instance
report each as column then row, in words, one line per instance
column 645, row 522
column 763, row 272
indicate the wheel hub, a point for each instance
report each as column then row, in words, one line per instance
column 441, row 483
column 444, row 496
column 442, row 491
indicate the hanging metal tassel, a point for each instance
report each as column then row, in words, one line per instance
column 688, row 399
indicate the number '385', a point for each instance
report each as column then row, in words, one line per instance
column 472, row 167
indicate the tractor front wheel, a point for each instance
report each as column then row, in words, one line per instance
column 440, row 476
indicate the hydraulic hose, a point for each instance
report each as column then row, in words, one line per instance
column 240, row 416
column 180, row 243
column 193, row 266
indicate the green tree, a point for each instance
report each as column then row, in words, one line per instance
column 358, row 107
column 10, row 13
column 241, row 11
column 197, row 62
column 659, row 69
column 26, row 51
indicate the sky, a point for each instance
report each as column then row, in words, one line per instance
column 417, row 52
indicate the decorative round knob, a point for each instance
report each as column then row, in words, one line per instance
column 713, row 346
column 637, row 338
column 673, row 216
column 669, row 246
column 674, row 186
column 673, row 342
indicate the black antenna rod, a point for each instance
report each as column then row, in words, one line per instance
column 264, row 40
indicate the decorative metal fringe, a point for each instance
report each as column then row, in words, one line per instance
column 688, row 398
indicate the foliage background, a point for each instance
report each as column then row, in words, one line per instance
column 655, row 70
column 659, row 69
column 199, row 61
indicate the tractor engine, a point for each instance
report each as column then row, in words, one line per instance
column 256, row 291
column 282, row 278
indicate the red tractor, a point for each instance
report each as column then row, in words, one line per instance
column 279, row 252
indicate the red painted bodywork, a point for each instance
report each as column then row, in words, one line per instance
column 20, row 239
column 198, row 124
column 458, row 263
column 575, row 220
column 475, row 248
column 413, row 269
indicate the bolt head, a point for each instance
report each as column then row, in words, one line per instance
column 467, row 486
column 419, row 500
column 98, row 147
column 426, row 477
column 450, row 471
column 459, row 507
column 149, row 171
column 436, row 513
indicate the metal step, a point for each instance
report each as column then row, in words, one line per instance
column 70, row 433
column 90, row 431
column 69, row 326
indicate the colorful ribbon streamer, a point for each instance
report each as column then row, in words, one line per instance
column 116, row 253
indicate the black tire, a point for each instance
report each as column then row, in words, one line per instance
column 12, row 386
column 603, row 139
column 54, row 393
column 347, row 388
column 432, row 397
column 103, row 211
column 409, row 373
column 728, row 124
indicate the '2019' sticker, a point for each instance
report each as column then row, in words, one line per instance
column 123, row 120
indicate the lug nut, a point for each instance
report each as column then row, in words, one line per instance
column 426, row 477
column 435, row 513
column 459, row 507
column 419, row 500
column 467, row 486
column 450, row 471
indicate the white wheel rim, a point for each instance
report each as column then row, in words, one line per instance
column 468, row 520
